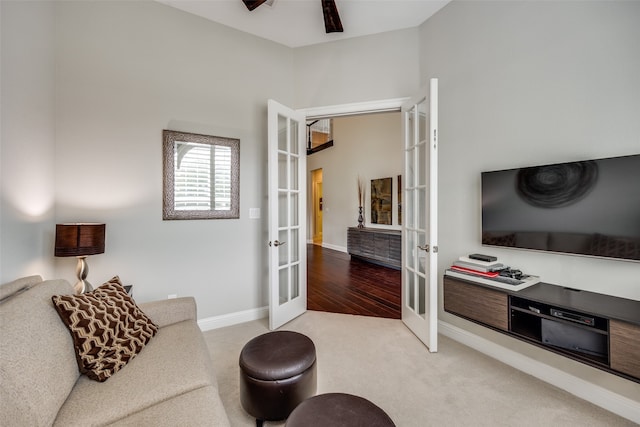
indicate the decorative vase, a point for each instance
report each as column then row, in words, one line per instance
column 360, row 218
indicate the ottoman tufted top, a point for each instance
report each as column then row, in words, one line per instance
column 277, row 355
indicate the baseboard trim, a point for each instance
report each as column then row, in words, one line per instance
column 334, row 247
column 618, row 404
column 231, row 319
column 330, row 246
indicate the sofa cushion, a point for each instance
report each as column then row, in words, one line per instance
column 169, row 311
column 7, row 290
column 107, row 327
column 197, row 408
column 37, row 365
column 174, row 362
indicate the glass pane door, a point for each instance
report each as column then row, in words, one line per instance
column 419, row 269
column 287, row 185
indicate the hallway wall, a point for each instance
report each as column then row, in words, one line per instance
column 368, row 146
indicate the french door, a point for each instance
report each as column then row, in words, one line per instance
column 287, row 170
column 420, row 227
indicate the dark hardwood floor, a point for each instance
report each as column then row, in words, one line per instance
column 338, row 284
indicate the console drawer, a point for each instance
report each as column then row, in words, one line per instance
column 477, row 303
column 624, row 342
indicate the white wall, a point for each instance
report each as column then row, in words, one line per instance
column 512, row 95
column 377, row 67
column 27, row 131
column 368, row 146
column 370, row 68
column 527, row 83
column 126, row 71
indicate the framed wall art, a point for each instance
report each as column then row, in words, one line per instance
column 399, row 191
column 381, row 194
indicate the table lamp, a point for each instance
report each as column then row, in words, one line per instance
column 80, row 240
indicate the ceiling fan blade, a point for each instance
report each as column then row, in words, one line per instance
column 332, row 23
column 252, row 4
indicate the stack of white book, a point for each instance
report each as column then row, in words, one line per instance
column 479, row 266
column 488, row 273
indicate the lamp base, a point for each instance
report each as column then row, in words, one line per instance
column 82, row 269
column 82, row 286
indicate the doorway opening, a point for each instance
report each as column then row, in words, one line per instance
column 316, row 196
column 366, row 147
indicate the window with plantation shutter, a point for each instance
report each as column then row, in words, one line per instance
column 201, row 176
column 198, row 167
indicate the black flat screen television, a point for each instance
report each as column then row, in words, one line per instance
column 589, row 207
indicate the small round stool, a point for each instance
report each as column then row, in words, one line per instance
column 338, row 410
column 277, row 372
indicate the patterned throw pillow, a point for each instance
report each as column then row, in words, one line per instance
column 107, row 327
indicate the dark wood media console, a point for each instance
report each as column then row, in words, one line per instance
column 600, row 330
column 376, row 245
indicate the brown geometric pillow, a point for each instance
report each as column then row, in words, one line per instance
column 107, row 327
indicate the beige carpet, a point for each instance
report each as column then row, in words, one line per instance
column 381, row 360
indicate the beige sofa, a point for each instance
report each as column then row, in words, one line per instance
column 170, row 383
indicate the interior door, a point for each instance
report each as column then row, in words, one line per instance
column 420, row 229
column 287, row 166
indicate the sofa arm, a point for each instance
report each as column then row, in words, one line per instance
column 169, row 311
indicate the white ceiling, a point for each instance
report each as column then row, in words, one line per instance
column 296, row 23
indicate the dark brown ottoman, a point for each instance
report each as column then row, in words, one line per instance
column 338, row 410
column 277, row 372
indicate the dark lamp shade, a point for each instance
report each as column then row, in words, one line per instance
column 79, row 239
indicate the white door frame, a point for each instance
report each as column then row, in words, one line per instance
column 355, row 108
column 378, row 106
column 282, row 313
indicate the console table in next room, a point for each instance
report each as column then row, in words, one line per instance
column 376, row 245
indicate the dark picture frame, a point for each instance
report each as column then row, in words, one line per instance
column 399, row 192
column 381, row 198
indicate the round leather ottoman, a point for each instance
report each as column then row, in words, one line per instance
column 277, row 372
column 338, row 410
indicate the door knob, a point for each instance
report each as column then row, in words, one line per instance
column 424, row 248
column 277, row 243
